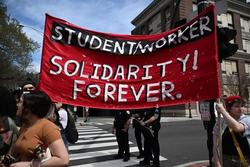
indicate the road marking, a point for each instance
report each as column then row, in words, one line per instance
column 98, row 153
column 96, row 139
column 95, row 132
column 115, row 163
column 88, row 135
column 96, row 145
column 87, row 130
column 99, row 135
column 95, row 123
column 87, row 127
column 204, row 162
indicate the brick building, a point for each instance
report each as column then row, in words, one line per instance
column 235, row 71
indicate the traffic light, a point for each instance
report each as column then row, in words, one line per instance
column 224, row 36
column 180, row 22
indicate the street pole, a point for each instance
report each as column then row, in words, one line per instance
column 190, row 111
column 177, row 4
column 202, row 4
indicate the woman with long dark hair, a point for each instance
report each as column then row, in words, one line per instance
column 38, row 131
column 8, row 128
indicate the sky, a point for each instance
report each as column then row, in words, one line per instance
column 109, row 16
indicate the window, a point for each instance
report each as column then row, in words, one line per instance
column 229, row 67
column 195, row 7
column 230, row 77
column 230, row 89
column 154, row 25
column 245, row 30
column 225, row 20
column 246, row 45
column 247, row 88
column 167, row 17
column 247, row 69
column 143, row 30
column 245, row 24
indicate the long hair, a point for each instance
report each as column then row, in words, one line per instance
column 7, row 103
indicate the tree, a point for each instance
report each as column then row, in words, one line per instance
column 231, row 87
column 231, row 84
column 15, row 48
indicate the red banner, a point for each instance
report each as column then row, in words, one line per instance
column 112, row 71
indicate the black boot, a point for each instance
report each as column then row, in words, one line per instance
column 141, row 155
column 156, row 163
column 126, row 158
column 144, row 162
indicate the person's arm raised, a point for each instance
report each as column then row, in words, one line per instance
column 231, row 122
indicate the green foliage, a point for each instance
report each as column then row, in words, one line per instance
column 15, row 48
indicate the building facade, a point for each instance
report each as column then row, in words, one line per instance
column 235, row 71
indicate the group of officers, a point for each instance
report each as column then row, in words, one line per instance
column 146, row 123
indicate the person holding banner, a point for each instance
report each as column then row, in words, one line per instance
column 120, row 128
column 150, row 128
column 235, row 133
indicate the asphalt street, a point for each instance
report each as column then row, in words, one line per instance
column 182, row 143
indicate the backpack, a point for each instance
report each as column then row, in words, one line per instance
column 70, row 130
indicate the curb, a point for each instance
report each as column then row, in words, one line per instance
column 202, row 163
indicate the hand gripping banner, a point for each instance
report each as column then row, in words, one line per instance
column 112, row 71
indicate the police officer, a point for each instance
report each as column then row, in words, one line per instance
column 138, row 116
column 120, row 128
column 209, row 126
column 150, row 128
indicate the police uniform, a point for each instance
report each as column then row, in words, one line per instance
column 138, row 115
column 151, row 143
column 121, row 118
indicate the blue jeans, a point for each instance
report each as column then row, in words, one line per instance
column 64, row 139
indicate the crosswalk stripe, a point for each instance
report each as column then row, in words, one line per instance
column 99, row 124
column 99, row 135
column 87, row 127
column 115, row 163
column 93, row 123
column 96, row 145
column 98, row 153
column 97, row 139
column 95, row 132
column 87, row 130
column 100, row 143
